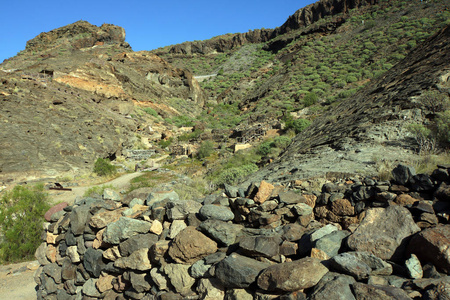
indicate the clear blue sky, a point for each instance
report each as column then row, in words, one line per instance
column 148, row 24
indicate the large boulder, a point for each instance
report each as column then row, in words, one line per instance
column 191, row 245
column 237, row 271
column 384, row 232
column 292, row 276
column 432, row 246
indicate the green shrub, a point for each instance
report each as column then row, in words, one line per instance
column 21, row 218
column 264, row 148
column 165, row 143
column 234, row 175
column 103, row 167
column 150, row 111
column 423, row 137
column 298, row 124
column 443, row 127
column 282, row 141
column 310, row 99
column 206, row 149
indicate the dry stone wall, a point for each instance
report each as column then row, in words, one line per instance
column 359, row 238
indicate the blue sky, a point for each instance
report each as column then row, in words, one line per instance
column 148, row 24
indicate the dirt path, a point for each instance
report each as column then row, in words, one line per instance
column 120, row 183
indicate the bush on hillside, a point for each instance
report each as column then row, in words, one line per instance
column 103, row 167
column 21, row 220
column 297, row 124
column 206, row 149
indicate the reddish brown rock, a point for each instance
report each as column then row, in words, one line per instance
column 55, row 209
column 432, row 245
column 405, row 199
column 264, row 192
column 191, row 245
column 342, row 207
column 310, row 200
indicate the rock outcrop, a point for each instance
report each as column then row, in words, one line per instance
column 300, row 19
column 112, row 249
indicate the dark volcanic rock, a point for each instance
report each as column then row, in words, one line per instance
column 191, row 245
column 237, row 271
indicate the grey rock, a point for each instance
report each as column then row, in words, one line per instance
column 179, row 277
column 175, row 228
column 136, row 242
column 441, row 291
column 216, row 212
column 93, row 262
column 291, row 197
column 267, row 246
column 221, row 232
column 179, row 210
column 40, row 254
column 293, row 232
column 137, row 201
column 155, row 197
column 402, row 174
column 124, row 228
column 331, row 243
column 384, row 232
column 138, row 260
column 333, row 286
column 210, row 288
column 414, row 267
column 237, row 271
column 139, row 281
column 54, row 271
column 199, row 269
column 349, row 264
column 89, row 288
column 110, row 194
column 323, row 231
column 231, row 191
column 302, row 209
column 79, row 218
column 292, row 276
column 159, row 279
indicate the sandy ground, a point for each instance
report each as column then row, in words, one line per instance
column 17, row 281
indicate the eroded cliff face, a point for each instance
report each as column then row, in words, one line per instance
column 300, row 19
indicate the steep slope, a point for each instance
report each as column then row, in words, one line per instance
column 74, row 94
column 371, row 125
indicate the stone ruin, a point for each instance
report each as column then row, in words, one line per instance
column 358, row 238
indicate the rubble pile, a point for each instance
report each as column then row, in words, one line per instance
column 357, row 239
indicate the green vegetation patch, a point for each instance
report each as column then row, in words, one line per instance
column 21, row 219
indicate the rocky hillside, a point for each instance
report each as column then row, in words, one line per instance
column 372, row 125
column 78, row 93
